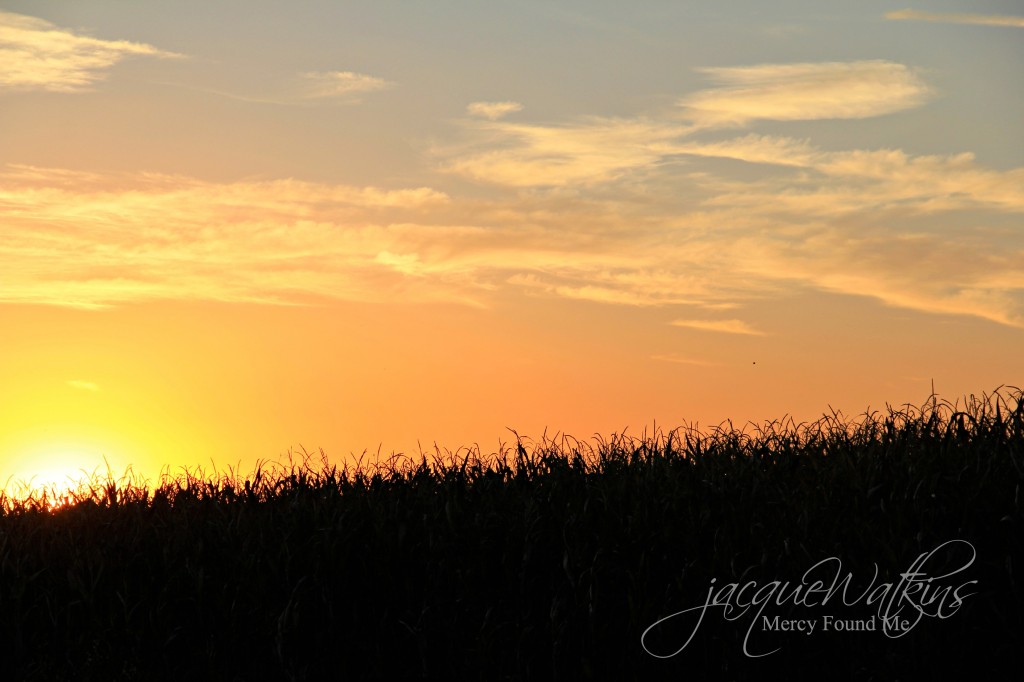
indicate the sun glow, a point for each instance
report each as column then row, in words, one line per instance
column 56, row 469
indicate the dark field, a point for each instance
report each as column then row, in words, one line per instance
column 544, row 561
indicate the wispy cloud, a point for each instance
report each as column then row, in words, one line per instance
column 868, row 222
column 928, row 233
column 37, row 55
column 89, row 241
column 323, row 84
column 634, row 213
column 916, row 270
column 800, row 92
column 493, row 110
column 725, row 326
column 594, row 150
column 954, row 18
column 587, row 151
column 682, row 360
column 856, row 180
column 83, row 385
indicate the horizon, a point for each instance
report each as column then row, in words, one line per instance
column 991, row 413
column 235, row 231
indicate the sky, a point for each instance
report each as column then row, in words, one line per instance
column 233, row 230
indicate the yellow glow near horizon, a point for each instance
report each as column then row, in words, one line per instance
column 58, row 465
column 63, row 457
column 57, row 433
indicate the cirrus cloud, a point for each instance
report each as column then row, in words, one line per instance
column 341, row 84
column 806, row 91
column 725, row 326
column 37, row 55
column 937, row 234
column 493, row 110
column 83, row 385
column 955, row 18
column 594, row 150
column 92, row 240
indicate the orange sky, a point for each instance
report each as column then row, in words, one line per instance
column 353, row 230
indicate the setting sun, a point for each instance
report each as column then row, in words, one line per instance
column 54, row 463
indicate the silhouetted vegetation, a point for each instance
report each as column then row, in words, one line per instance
column 546, row 560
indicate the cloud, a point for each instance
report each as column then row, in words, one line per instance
column 952, row 18
column 936, row 234
column 588, row 151
column 596, row 150
column 324, row 84
column 860, row 180
column 37, row 55
column 725, row 326
column 493, row 110
column 682, row 360
column 89, row 240
column 801, row 92
column 83, row 385
column 767, row 149
column 928, row 233
column 956, row 274
column 93, row 240
column 600, row 294
column 622, row 274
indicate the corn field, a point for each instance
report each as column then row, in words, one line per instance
column 545, row 560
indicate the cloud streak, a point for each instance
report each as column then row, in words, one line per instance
column 856, row 180
column 493, row 110
column 37, row 55
column 723, row 326
column 677, row 359
column 954, row 18
column 83, row 385
column 345, row 84
column 803, row 92
column 593, row 150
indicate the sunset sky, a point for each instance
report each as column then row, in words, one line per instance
column 236, row 228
